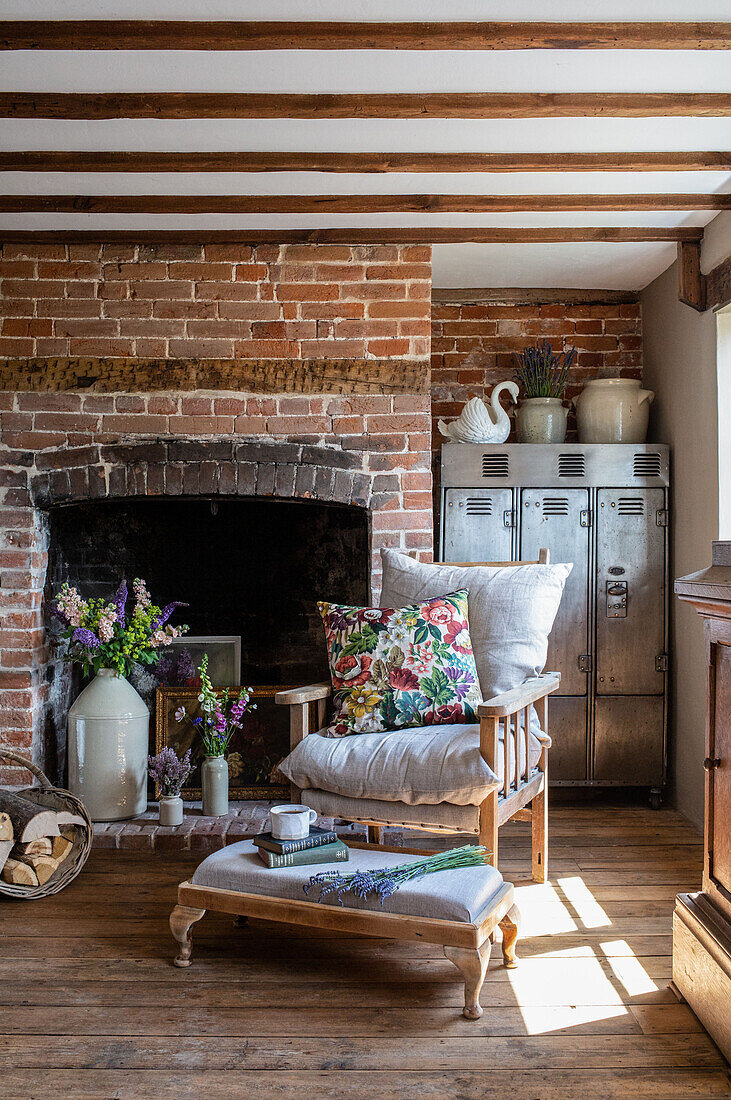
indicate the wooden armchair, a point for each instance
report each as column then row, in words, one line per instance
column 523, row 791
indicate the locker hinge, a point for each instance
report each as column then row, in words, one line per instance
column 661, row 517
column 584, row 662
column 585, row 518
column 661, row 662
column 509, row 518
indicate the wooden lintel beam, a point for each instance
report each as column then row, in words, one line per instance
column 512, row 295
column 612, row 234
column 120, row 375
column 691, row 280
column 58, row 160
column 350, row 204
column 141, row 34
column 177, row 105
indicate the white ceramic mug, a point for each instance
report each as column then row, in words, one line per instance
column 291, row 822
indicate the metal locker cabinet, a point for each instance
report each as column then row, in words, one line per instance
column 559, row 520
column 478, row 525
column 608, row 722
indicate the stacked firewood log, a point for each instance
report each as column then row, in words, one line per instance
column 34, row 840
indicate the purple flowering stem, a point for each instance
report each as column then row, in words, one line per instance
column 120, row 602
column 166, row 613
column 86, row 637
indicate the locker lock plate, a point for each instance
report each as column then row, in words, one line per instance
column 616, row 595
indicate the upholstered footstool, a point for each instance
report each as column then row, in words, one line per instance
column 459, row 908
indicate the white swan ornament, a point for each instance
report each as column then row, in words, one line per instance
column 479, row 424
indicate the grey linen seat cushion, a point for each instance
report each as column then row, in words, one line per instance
column 463, row 894
column 511, row 611
column 420, row 765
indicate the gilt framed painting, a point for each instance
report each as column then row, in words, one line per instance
column 254, row 751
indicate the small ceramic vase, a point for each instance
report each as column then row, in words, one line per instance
column 541, row 420
column 214, row 781
column 108, row 734
column 171, row 810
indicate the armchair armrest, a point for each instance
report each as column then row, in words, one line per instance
column 309, row 694
column 530, row 691
column 300, row 700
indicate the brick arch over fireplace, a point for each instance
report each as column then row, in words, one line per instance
column 191, row 468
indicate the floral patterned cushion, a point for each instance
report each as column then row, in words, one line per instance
column 398, row 667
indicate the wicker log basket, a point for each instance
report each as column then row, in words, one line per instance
column 55, row 799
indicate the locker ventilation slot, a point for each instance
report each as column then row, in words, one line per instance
column 495, row 465
column 478, row 506
column 571, row 465
column 647, row 465
column 555, row 506
column 630, row 506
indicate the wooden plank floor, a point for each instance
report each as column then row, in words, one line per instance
column 90, row 1005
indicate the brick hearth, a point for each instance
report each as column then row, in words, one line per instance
column 203, row 834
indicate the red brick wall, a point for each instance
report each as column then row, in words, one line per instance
column 200, row 301
column 288, row 302
column 473, row 346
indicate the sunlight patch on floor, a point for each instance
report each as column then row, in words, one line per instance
column 628, row 969
column 587, row 908
column 542, row 911
column 578, row 995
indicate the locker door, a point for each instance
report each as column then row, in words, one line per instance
column 630, row 611
column 475, row 527
column 553, row 518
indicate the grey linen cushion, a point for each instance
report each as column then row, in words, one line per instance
column 511, row 611
column 463, row 894
column 421, row 765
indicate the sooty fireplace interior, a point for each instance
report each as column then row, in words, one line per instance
column 250, row 567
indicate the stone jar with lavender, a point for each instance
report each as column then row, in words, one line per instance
column 108, row 724
column 169, row 773
column 221, row 716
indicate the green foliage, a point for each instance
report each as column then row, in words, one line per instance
column 437, row 687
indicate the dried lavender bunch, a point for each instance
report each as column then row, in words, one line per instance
column 385, row 881
column 169, row 772
column 541, row 372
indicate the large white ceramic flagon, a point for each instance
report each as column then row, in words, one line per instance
column 108, row 733
column 479, row 424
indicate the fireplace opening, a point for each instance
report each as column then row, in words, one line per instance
column 252, row 568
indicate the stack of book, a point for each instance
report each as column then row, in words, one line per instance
column 320, row 846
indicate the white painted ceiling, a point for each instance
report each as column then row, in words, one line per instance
column 620, row 266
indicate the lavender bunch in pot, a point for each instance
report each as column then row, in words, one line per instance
column 542, row 375
column 169, row 773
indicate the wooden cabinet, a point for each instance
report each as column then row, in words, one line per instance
column 702, row 921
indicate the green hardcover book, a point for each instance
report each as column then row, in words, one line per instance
column 336, row 852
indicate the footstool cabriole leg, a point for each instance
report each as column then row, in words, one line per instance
column 510, row 926
column 472, row 963
column 182, row 918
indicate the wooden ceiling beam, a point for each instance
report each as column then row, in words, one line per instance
column 612, row 234
column 467, row 105
column 57, row 160
column 140, row 34
column 350, row 204
column 511, row 295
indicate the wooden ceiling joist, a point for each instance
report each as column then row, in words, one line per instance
column 350, row 204
column 612, row 234
column 129, row 34
column 466, row 105
column 56, row 160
